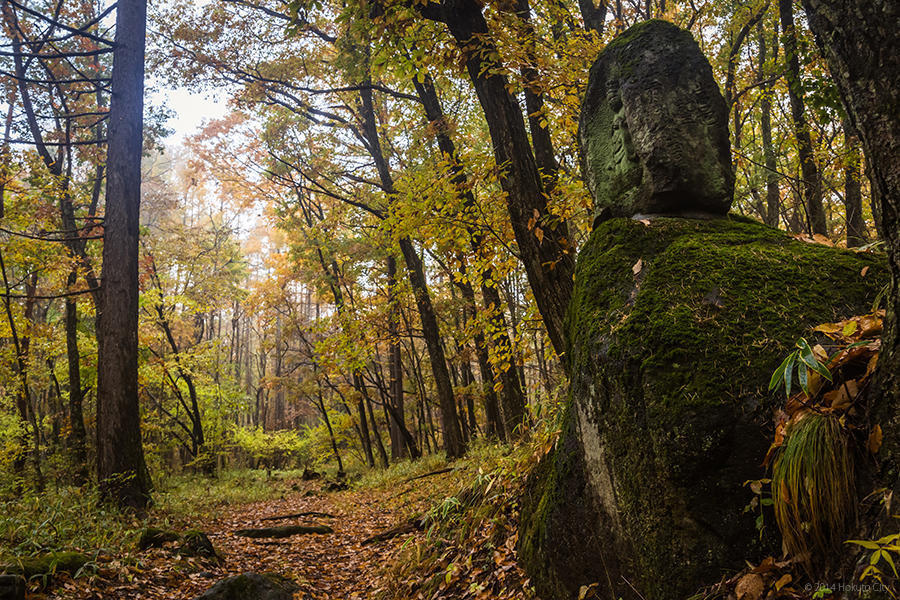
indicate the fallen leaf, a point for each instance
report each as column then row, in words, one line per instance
column 874, row 443
column 864, row 271
column 869, row 326
column 637, row 266
column 783, row 581
column 821, row 239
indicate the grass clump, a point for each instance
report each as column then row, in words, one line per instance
column 813, row 485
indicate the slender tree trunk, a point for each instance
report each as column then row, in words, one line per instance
column 363, row 421
column 856, row 227
column 544, row 154
column 77, row 436
column 511, row 392
column 812, row 186
column 395, row 365
column 453, row 443
column 546, row 255
column 334, row 446
column 382, row 454
column 121, row 469
column 773, row 196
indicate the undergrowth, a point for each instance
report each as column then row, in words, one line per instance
column 468, row 546
column 72, row 518
column 813, row 487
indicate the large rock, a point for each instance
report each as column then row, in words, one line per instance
column 251, row 586
column 654, row 128
column 674, row 330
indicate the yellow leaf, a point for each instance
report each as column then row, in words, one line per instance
column 783, row 581
column 874, row 443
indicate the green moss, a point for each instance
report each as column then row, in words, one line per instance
column 47, row 564
column 674, row 330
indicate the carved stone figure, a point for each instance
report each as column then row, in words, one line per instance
column 654, row 128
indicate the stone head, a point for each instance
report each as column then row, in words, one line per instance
column 654, row 128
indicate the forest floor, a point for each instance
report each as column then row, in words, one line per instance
column 466, row 551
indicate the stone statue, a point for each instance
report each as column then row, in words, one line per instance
column 654, row 128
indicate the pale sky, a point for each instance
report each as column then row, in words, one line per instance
column 192, row 110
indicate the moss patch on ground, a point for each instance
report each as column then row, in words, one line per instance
column 47, row 564
column 674, row 330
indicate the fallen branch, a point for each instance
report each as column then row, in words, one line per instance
column 283, row 532
column 429, row 474
column 310, row 513
column 414, row 524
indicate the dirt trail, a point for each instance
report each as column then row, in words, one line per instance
column 334, row 565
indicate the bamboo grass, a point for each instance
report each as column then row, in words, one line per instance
column 813, row 489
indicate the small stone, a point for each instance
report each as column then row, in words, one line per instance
column 654, row 128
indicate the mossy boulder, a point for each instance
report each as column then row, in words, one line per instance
column 197, row 543
column 674, row 330
column 47, row 564
column 251, row 586
column 653, row 131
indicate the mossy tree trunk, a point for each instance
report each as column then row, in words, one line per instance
column 860, row 43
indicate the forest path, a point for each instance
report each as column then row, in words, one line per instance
column 324, row 566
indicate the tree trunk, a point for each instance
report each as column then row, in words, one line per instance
column 812, row 186
column 382, row 455
column 856, row 227
column 773, row 196
column 453, row 443
column 543, row 240
column 511, row 392
column 860, row 43
column 395, row 366
column 121, row 469
column 77, row 436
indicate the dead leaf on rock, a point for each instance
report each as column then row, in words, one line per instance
column 875, row 438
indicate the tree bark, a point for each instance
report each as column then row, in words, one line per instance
column 395, row 367
column 121, row 469
column 861, row 46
